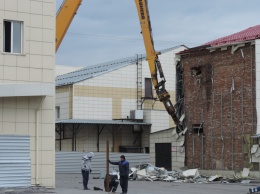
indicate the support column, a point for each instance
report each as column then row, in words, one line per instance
column 60, row 136
column 73, row 137
column 98, row 139
column 113, row 138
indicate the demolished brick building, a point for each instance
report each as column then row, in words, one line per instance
column 217, row 86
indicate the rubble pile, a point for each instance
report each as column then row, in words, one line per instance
column 151, row 173
column 148, row 172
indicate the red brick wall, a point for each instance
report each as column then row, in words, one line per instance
column 202, row 103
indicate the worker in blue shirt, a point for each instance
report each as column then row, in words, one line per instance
column 124, row 173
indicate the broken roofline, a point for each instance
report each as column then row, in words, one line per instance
column 213, row 48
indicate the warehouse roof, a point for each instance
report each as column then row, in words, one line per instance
column 107, row 122
column 251, row 33
column 99, row 69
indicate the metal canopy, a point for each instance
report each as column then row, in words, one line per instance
column 105, row 122
column 74, row 125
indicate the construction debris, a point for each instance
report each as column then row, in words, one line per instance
column 245, row 172
column 192, row 173
column 214, row 178
column 148, row 172
column 151, row 173
column 246, row 181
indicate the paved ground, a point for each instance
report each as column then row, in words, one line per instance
column 72, row 184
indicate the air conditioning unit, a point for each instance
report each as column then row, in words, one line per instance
column 136, row 114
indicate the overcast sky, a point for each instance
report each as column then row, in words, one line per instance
column 105, row 30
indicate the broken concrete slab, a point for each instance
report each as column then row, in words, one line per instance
column 254, row 158
column 182, row 143
column 246, row 181
column 245, row 172
column 141, row 174
column 214, row 178
column 254, row 149
column 201, row 180
column 169, row 179
column 192, row 173
column 175, row 135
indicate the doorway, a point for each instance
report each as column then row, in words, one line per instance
column 163, row 155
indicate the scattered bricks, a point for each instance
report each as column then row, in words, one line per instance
column 220, row 71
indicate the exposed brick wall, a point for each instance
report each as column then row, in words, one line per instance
column 202, row 102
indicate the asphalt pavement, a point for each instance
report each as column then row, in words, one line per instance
column 72, row 184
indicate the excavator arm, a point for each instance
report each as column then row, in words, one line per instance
column 64, row 17
column 153, row 60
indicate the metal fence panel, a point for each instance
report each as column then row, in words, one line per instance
column 15, row 162
column 70, row 162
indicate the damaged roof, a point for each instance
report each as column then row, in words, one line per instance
column 99, row 69
column 251, row 33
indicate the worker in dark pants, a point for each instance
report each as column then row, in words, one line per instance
column 124, row 173
column 86, row 168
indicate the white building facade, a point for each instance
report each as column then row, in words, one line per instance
column 108, row 92
column 27, row 59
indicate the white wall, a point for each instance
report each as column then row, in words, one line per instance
column 92, row 108
column 158, row 118
column 35, row 65
column 63, row 102
column 124, row 77
column 100, row 102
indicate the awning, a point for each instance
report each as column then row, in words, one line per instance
column 106, row 122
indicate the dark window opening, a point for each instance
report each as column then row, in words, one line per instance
column 57, row 111
column 7, row 36
column 148, row 88
column 197, row 128
column 12, row 37
column 196, row 71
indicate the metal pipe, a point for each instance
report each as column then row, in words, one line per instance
column 221, row 127
column 243, row 127
column 202, row 155
column 252, row 103
column 212, row 116
column 231, row 122
column 193, row 151
column 211, row 142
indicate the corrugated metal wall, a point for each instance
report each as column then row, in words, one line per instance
column 70, row 162
column 15, row 162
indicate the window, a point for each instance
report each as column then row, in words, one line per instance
column 57, row 112
column 12, row 37
column 197, row 128
column 148, row 88
column 196, row 71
